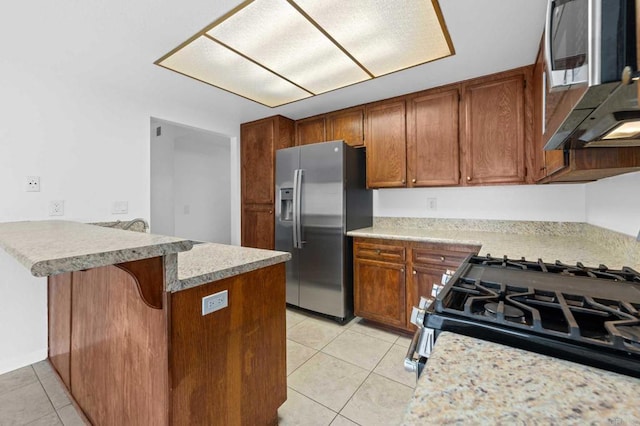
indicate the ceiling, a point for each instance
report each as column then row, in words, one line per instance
column 115, row 43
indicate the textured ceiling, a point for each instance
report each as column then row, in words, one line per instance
column 115, row 43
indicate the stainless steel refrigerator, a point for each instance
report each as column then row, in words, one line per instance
column 320, row 195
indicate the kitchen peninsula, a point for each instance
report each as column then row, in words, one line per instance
column 126, row 331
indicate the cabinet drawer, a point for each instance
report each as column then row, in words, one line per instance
column 436, row 258
column 381, row 252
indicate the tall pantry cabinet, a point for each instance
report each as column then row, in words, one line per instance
column 259, row 141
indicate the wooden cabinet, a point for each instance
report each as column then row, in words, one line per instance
column 131, row 353
column 310, row 130
column 386, row 144
column 259, row 141
column 493, row 129
column 428, row 263
column 258, row 226
column 391, row 275
column 347, row 125
column 433, row 156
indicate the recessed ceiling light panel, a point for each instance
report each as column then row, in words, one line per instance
column 208, row 61
column 280, row 51
column 384, row 36
column 297, row 50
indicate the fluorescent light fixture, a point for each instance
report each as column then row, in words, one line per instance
column 626, row 130
column 279, row 51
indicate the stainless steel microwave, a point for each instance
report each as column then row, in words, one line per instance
column 588, row 42
column 590, row 49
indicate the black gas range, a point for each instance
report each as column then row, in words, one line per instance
column 588, row 315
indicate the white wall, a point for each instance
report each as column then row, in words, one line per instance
column 614, row 203
column 162, row 218
column 89, row 143
column 202, row 188
column 563, row 203
column 190, row 183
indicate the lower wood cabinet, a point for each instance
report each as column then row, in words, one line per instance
column 258, row 226
column 391, row 275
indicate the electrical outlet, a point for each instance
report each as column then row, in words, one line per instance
column 432, row 204
column 33, row 184
column 215, row 302
column 56, row 208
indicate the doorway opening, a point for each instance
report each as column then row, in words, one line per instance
column 190, row 182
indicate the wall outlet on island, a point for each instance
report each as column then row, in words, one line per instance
column 56, row 208
column 215, row 302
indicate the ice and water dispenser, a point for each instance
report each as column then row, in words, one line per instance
column 286, row 204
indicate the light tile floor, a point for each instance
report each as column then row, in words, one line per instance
column 337, row 375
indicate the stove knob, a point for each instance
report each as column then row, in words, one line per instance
column 417, row 317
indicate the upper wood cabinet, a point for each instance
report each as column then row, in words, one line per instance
column 258, row 142
column 347, row 125
column 310, row 130
column 493, row 131
column 386, row 144
column 433, row 156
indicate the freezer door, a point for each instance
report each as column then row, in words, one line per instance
column 287, row 161
column 323, row 239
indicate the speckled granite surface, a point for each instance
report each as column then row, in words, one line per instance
column 568, row 242
column 471, row 381
column 211, row 262
column 51, row 247
column 137, row 225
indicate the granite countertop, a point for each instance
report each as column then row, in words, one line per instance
column 569, row 248
column 209, row 262
column 54, row 246
column 471, row 381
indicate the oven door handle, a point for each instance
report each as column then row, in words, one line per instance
column 410, row 362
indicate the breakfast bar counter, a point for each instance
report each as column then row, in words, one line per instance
column 150, row 329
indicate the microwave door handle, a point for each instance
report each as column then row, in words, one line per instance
column 547, row 39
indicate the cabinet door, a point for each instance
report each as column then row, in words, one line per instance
column 310, row 130
column 258, row 226
column 257, row 161
column 379, row 291
column 432, row 139
column 386, row 144
column 347, row 125
column 494, row 130
column 420, row 284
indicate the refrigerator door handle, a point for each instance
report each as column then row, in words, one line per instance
column 297, row 203
column 295, row 208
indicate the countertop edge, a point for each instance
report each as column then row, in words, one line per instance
column 49, row 267
column 186, row 283
column 425, row 239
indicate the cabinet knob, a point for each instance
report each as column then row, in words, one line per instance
column 378, row 251
column 270, row 211
column 413, row 180
column 441, row 258
column 402, row 270
column 468, row 178
column 414, row 272
column 403, row 181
